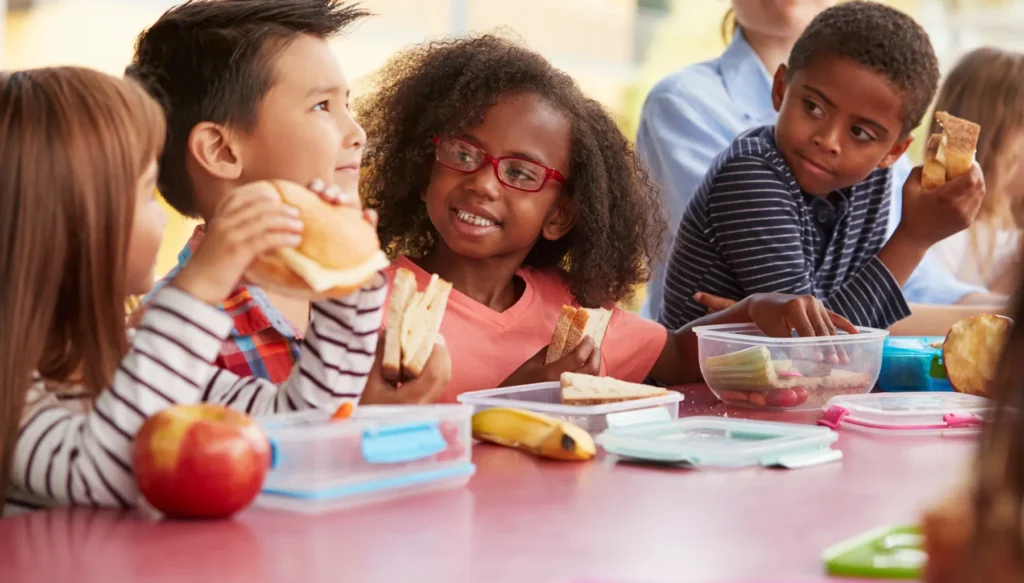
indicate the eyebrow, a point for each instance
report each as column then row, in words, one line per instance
column 860, row 119
column 517, row 154
column 321, row 89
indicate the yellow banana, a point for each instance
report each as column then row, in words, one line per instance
column 533, row 433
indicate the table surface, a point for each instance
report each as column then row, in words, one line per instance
column 523, row 520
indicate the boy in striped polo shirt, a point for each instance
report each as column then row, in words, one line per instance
column 801, row 207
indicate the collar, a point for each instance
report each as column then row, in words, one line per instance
column 747, row 81
column 248, row 306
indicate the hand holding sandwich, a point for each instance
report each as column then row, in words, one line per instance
column 422, row 390
column 584, row 359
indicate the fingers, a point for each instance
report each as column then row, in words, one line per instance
column 842, row 323
column 824, row 327
column 333, row 194
column 593, row 365
column 712, row 302
column 578, row 358
column 245, row 196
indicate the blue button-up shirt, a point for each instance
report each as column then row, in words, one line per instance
column 695, row 113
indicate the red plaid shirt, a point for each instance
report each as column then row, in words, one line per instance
column 262, row 342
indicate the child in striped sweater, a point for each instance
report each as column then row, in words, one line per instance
column 80, row 232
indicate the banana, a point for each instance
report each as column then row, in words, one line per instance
column 533, row 433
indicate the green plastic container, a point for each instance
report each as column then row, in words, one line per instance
column 892, row 552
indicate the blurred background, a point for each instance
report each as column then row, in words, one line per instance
column 616, row 49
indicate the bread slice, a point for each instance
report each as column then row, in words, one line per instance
column 575, row 324
column 581, row 389
column 953, row 150
column 402, row 290
column 561, row 334
column 933, row 174
column 421, row 323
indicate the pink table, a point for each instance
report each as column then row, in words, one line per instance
column 521, row 520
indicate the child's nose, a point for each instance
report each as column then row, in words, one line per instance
column 352, row 134
column 484, row 182
column 827, row 139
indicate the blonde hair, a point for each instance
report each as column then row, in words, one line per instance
column 987, row 87
column 73, row 145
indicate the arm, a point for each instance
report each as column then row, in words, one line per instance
column 931, row 320
column 759, row 235
column 337, row 355
column 85, row 458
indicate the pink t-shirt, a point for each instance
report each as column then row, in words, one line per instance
column 488, row 346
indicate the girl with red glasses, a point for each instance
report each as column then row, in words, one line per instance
column 490, row 168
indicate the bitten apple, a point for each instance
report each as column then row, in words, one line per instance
column 200, row 461
column 972, row 350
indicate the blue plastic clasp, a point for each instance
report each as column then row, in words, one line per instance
column 396, row 444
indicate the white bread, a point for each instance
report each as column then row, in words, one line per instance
column 581, row 389
column 575, row 324
column 414, row 322
column 338, row 254
column 402, row 290
column 954, row 150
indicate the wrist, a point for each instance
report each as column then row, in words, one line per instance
column 199, row 287
column 910, row 242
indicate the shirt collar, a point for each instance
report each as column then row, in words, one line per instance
column 747, row 80
column 248, row 306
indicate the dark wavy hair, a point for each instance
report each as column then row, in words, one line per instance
column 444, row 87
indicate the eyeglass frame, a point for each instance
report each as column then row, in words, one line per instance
column 550, row 173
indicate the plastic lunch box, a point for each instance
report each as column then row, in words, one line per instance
column 913, row 364
column 743, row 367
column 546, row 398
column 912, row 413
column 379, row 453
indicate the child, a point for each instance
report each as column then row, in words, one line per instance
column 802, row 206
column 252, row 91
column 987, row 87
column 80, row 233
column 491, row 169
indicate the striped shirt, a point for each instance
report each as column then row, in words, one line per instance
column 751, row 229
column 73, row 450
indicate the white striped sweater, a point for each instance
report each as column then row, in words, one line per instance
column 72, row 451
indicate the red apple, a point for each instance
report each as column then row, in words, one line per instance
column 972, row 351
column 200, row 461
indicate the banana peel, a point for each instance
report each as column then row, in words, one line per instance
column 533, row 433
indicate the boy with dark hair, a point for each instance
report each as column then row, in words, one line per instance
column 252, row 92
column 802, row 207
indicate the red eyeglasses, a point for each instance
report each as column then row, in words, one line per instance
column 512, row 171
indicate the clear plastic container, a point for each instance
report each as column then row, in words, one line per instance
column 722, row 442
column 745, row 368
column 912, row 413
column 913, row 364
column 546, row 398
column 380, row 453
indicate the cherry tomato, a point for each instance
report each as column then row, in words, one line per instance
column 784, row 398
column 801, row 396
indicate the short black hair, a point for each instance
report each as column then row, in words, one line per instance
column 880, row 38
column 444, row 87
column 212, row 60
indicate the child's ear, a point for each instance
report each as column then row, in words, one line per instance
column 896, row 151
column 212, row 148
column 560, row 220
column 779, row 87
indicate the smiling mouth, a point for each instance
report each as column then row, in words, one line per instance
column 475, row 220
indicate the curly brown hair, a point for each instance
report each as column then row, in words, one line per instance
column 443, row 88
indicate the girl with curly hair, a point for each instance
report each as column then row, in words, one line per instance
column 490, row 168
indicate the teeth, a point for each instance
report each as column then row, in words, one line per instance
column 473, row 219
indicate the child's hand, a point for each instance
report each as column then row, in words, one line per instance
column 424, row 389
column 930, row 216
column 247, row 223
column 713, row 303
column 778, row 315
column 334, row 195
column 586, row 359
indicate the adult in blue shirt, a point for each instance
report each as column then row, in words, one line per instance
column 695, row 113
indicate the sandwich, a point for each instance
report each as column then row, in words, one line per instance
column 581, row 389
column 949, row 154
column 575, row 324
column 338, row 254
column 414, row 321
